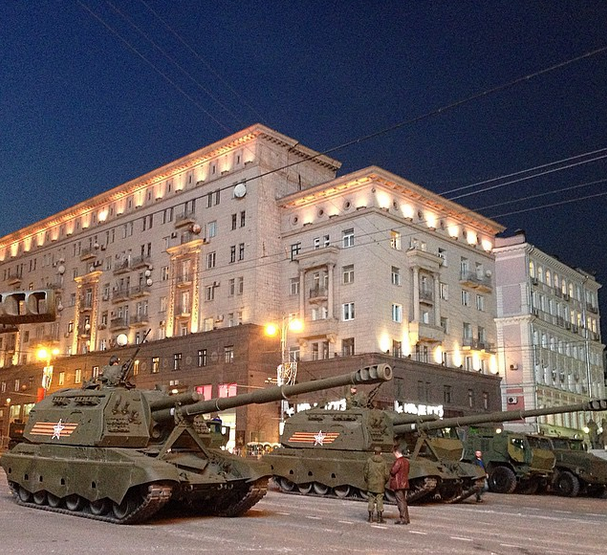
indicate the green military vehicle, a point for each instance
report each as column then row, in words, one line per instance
column 576, row 471
column 112, row 452
column 514, row 461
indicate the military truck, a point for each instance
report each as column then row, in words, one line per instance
column 514, row 461
column 575, row 471
column 511, row 461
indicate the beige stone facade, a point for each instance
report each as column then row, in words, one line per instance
column 257, row 228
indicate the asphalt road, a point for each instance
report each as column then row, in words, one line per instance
column 285, row 524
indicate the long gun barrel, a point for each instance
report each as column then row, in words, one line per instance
column 188, row 404
column 504, row 416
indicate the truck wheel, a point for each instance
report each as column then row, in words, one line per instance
column 567, row 484
column 502, row 480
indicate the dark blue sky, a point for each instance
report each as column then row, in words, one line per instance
column 81, row 111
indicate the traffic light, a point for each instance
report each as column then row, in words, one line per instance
column 27, row 307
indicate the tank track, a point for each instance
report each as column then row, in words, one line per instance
column 254, row 495
column 157, row 496
column 466, row 493
column 415, row 494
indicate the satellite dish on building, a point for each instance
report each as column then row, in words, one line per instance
column 240, row 190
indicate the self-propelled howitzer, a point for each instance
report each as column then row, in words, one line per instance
column 116, row 453
column 324, row 452
column 512, row 462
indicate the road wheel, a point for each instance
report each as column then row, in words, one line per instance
column 342, row 491
column 99, row 507
column 320, row 489
column 566, row 484
column 502, row 480
column 286, row 485
column 74, row 502
column 24, row 495
column 53, row 500
column 40, row 497
column 305, row 488
column 390, row 496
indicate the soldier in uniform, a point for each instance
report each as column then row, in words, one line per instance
column 376, row 475
column 355, row 399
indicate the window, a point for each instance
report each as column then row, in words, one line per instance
column 465, row 298
column 227, row 389
column 443, row 291
column 395, row 272
column 164, row 273
column 467, row 333
column 295, row 249
column 485, row 400
column 442, row 254
column 233, row 254
column 480, row 303
column 348, row 274
column 447, row 394
column 470, row 398
column 294, row 286
column 395, row 241
column 397, row 348
column 397, row 313
column 211, row 229
column 211, row 260
column 241, row 251
column 347, row 347
column 78, row 375
column 61, row 378
column 348, row 311
column 243, row 218
column 234, row 221
column 209, row 293
column 155, row 365
column 444, row 324
column 177, row 358
column 348, row 238
column 228, row 353
column 240, row 286
column 232, row 287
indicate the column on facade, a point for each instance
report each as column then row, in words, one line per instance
column 416, row 315
column 331, row 273
column 436, row 299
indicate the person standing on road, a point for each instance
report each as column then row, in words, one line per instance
column 376, row 475
column 478, row 460
column 399, row 484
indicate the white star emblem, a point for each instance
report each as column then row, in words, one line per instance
column 319, row 438
column 57, row 429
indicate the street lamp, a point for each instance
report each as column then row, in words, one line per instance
column 46, row 355
column 286, row 372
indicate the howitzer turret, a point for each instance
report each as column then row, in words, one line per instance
column 116, row 453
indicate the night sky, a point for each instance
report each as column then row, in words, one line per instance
column 94, row 93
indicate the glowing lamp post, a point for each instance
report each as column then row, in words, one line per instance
column 286, row 373
column 46, row 355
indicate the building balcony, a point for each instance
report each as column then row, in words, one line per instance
column 426, row 296
column 119, row 324
column 140, row 262
column 318, row 294
column 85, row 305
column 140, row 291
column 326, row 327
column 469, row 343
column 185, row 219
column 183, row 311
column 431, row 262
column 184, row 280
column 13, row 279
column 88, row 254
column 121, row 294
column 419, row 331
column 475, row 281
column 122, row 267
column 140, row 320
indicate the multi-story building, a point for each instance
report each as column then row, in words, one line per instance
column 549, row 342
column 257, row 228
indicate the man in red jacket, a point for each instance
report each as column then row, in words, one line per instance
column 399, row 484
